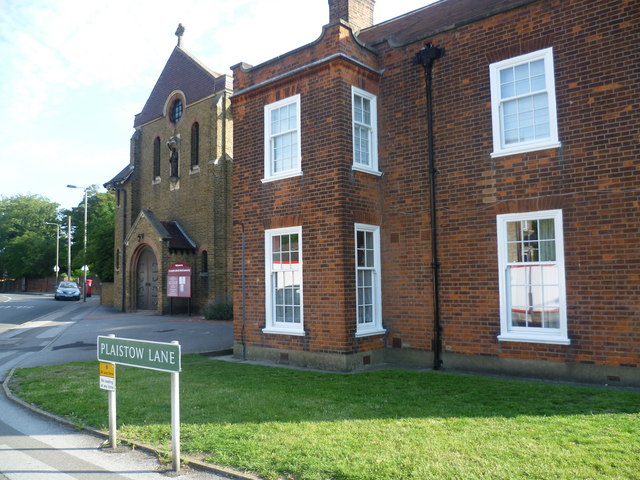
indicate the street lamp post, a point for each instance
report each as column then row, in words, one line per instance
column 69, row 248
column 84, row 260
column 57, row 267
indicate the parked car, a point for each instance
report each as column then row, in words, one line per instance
column 67, row 291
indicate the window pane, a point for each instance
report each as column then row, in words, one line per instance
column 521, row 72
column 279, row 293
column 511, row 136
column 292, row 117
column 522, row 87
column 537, row 68
column 506, row 75
column 368, row 278
column 510, row 107
column 507, row 90
column 542, row 131
column 551, row 296
column 525, row 104
column 527, row 134
column 357, row 108
column 534, row 318
column 513, row 231
column 550, row 277
column 366, row 111
column 288, row 296
column 537, row 83
column 368, row 296
column 368, row 314
column 552, row 318
column 275, row 121
column 526, row 118
column 546, row 229
column 511, row 122
column 361, row 144
column 518, row 318
column 541, row 100
column 513, row 253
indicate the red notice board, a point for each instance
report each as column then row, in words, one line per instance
column 179, row 280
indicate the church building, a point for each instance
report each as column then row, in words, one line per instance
column 173, row 218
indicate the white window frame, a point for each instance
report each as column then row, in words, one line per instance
column 272, row 325
column 508, row 332
column 499, row 147
column 296, row 169
column 375, row 327
column 372, row 166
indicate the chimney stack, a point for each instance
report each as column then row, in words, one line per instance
column 358, row 13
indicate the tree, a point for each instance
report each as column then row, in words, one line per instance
column 100, row 227
column 27, row 246
column 100, row 235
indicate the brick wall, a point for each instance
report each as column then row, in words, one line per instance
column 592, row 177
column 199, row 201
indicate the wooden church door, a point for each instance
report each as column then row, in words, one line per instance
column 147, row 281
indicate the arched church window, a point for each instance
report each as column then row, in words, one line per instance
column 176, row 110
column 195, row 144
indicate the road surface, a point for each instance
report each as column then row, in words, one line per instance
column 34, row 447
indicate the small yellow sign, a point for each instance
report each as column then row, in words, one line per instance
column 107, row 370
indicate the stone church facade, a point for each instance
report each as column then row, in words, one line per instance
column 172, row 200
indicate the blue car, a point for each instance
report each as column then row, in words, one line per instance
column 67, row 291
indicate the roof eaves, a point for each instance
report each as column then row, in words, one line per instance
column 305, row 67
column 198, row 62
column 184, row 234
column 431, row 33
column 120, row 178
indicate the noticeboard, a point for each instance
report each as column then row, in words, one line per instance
column 179, row 280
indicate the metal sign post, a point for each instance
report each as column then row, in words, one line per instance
column 163, row 357
column 175, row 418
column 108, row 382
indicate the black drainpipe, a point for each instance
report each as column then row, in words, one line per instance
column 124, row 246
column 425, row 57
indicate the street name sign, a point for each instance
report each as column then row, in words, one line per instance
column 164, row 357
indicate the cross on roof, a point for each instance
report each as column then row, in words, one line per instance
column 179, row 33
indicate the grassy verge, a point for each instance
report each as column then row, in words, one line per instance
column 379, row 425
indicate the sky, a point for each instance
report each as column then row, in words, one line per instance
column 75, row 72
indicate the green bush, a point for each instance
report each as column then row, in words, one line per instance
column 218, row 311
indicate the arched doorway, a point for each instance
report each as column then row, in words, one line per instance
column 147, row 281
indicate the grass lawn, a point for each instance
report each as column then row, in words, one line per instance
column 388, row 424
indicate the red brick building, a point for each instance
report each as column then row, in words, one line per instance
column 457, row 187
